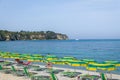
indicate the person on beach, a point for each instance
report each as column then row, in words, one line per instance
column 19, row 61
column 78, row 78
column 49, row 65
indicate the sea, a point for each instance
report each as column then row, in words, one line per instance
column 98, row 49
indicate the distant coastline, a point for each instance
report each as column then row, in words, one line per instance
column 28, row 35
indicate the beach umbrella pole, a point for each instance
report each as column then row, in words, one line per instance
column 111, row 75
column 74, row 69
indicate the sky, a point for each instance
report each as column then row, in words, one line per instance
column 79, row 19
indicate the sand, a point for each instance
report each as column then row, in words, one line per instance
column 11, row 77
column 4, row 76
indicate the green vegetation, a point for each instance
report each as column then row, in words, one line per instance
column 27, row 35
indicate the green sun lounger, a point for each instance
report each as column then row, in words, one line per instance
column 70, row 74
column 103, row 77
column 40, row 78
column 5, row 70
column 17, row 72
column 53, row 76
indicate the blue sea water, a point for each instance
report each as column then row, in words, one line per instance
column 98, row 49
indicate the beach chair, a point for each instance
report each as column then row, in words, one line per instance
column 70, row 74
column 7, row 63
column 2, row 62
column 13, row 68
column 5, row 70
column 27, row 73
column 37, row 68
column 88, row 77
column 17, row 72
column 55, row 71
column 103, row 77
column 1, row 67
column 40, row 78
column 53, row 76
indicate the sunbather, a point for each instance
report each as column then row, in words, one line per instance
column 18, row 61
column 21, row 62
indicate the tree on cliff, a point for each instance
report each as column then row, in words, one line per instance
column 27, row 35
column 51, row 35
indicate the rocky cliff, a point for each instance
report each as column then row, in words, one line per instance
column 26, row 35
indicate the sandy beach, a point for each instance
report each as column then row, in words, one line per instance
column 4, row 76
